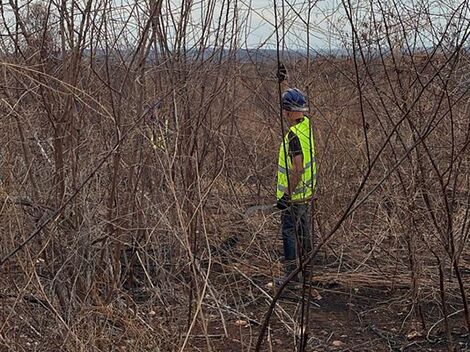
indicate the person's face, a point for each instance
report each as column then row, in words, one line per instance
column 288, row 115
column 285, row 114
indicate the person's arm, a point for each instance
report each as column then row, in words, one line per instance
column 297, row 160
column 295, row 174
column 284, row 85
column 282, row 76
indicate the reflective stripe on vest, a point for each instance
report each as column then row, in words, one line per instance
column 283, row 170
column 308, row 180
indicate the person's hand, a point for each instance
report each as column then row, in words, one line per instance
column 281, row 73
column 283, row 202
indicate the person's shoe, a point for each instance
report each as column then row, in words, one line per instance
column 292, row 284
column 278, row 281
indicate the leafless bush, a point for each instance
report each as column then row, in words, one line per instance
column 135, row 136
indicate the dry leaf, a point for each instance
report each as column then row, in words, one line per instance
column 315, row 295
column 414, row 335
column 240, row 322
column 337, row 343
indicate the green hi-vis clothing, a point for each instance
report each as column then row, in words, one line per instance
column 156, row 140
column 156, row 135
column 306, row 185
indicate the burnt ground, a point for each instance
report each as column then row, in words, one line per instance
column 343, row 319
column 347, row 313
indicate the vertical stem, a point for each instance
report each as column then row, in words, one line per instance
column 463, row 294
column 444, row 307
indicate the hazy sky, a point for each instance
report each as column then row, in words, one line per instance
column 255, row 17
column 323, row 20
column 255, row 20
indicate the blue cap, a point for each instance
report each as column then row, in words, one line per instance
column 294, row 100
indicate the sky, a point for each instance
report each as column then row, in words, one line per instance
column 324, row 17
column 329, row 26
column 256, row 18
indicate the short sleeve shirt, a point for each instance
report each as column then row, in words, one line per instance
column 294, row 145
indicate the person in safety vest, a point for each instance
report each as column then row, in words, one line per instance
column 156, row 127
column 296, row 178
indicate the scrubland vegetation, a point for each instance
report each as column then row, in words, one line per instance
column 135, row 137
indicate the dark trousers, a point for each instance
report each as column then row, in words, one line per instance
column 296, row 235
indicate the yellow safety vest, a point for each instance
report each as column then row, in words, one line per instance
column 307, row 183
column 156, row 135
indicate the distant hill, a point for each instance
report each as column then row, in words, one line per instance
column 241, row 55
